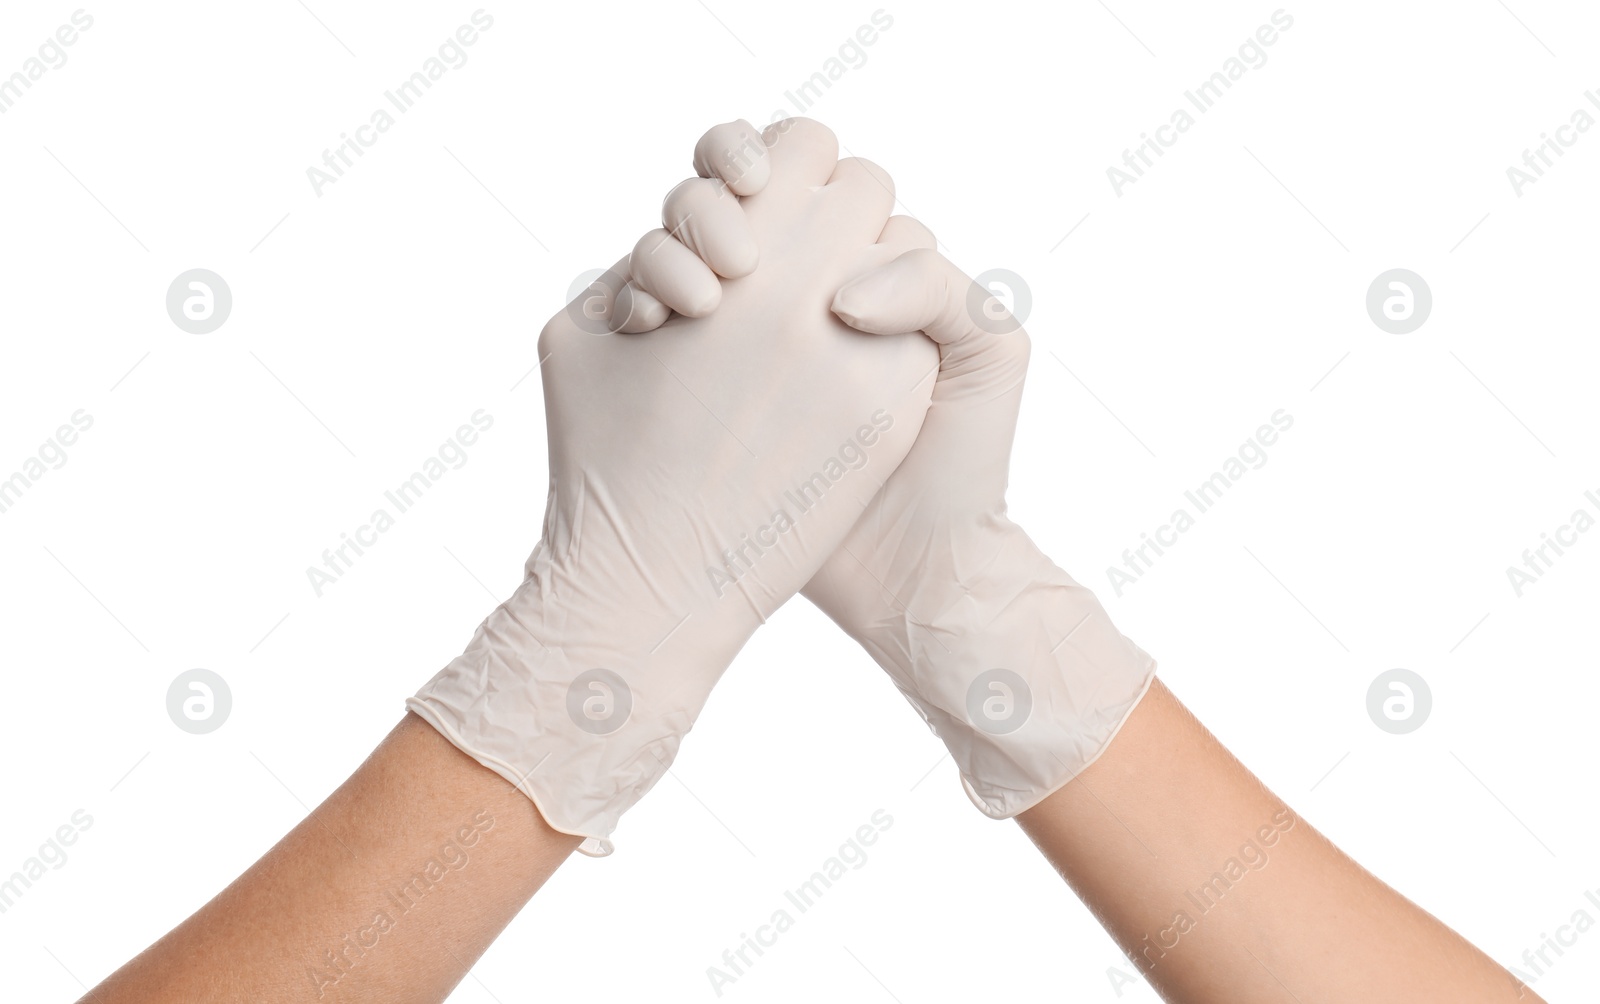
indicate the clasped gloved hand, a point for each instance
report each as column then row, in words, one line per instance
column 1011, row 662
column 700, row 473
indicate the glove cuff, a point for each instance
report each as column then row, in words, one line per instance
column 563, row 700
column 1020, row 672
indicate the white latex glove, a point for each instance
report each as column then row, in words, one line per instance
column 1013, row 664
column 1017, row 667
column 699, row 476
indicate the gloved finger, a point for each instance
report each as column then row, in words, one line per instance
column 707, row 218
column 900, row 234
column 591, row 309
column 802, row 152
column 664, row 268
column 905, row 233
column 634, row 311
column 734, row 153
column 858, row 198
column 923, row 291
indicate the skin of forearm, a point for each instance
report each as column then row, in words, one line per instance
column 1145, row 836
column 389, row 891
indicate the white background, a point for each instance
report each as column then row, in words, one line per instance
column 373, row 320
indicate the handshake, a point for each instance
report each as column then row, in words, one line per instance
column 784, row 389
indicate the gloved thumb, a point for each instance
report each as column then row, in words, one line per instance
column 922, row 290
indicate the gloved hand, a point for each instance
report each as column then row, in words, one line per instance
column 699, row 475
column 1012, row 663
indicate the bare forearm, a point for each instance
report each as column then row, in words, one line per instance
column 389, row 891
column 1219, row 892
